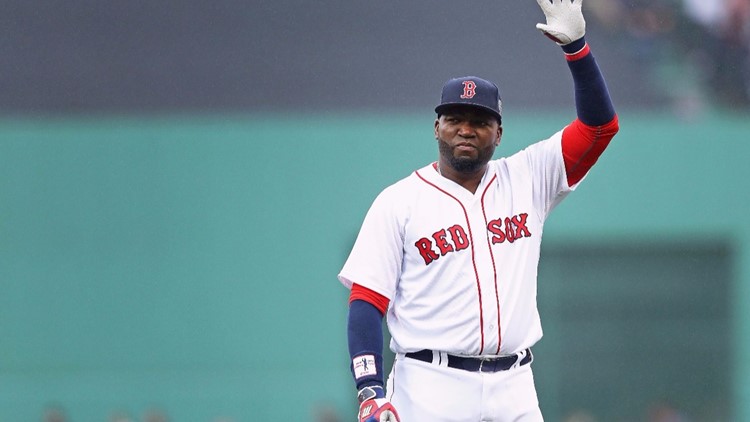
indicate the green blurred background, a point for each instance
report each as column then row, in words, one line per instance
column 180, row 183
column 189, row 265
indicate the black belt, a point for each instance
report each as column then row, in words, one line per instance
column 489, row 364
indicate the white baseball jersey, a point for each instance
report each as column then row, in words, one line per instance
column 460, row 268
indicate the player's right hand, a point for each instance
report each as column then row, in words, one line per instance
column 374, row 407
column 565, row 22
column 377, row 410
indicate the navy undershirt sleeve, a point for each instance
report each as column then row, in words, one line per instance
column 365, row 335
column 593, row 104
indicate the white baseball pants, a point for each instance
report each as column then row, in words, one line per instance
column 431, row 392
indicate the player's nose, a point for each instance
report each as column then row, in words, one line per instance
column 466, row 130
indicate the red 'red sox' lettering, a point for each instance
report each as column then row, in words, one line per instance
column 459, row 237
column 458, row 241
column 509, row 228
column 441, row 242
column 454, row 238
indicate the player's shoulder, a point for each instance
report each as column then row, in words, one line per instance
column 414, row 179
column 404, row 189
column 550, row 145
column 400, row 187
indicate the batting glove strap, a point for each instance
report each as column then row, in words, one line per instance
column 371, row 392
column 377, row 410
column 565, row 22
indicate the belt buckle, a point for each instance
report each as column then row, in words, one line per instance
column 486, row 359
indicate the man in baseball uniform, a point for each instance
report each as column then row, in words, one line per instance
column 450, row 253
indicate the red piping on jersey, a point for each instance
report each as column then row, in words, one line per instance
column 473, row 261
column 494, row 267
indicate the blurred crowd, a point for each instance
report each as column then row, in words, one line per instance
column 322, row 412
column 57, row 413
column 659, row 412
column 695, row 50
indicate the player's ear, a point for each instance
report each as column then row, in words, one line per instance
column 499, row 135
column 437, row 123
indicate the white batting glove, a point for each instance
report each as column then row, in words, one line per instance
column 565, row 22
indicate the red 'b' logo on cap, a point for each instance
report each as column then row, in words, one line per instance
column 470, row 89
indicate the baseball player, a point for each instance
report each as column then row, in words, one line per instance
column 450, row 253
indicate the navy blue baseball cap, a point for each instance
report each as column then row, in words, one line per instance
column 471, row 91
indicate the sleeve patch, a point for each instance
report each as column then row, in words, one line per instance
column 364, row 365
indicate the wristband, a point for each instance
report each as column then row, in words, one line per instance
column 368, row 393
column 571, row 57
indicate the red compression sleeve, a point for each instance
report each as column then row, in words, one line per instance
column 374, row 298
column 582, row 145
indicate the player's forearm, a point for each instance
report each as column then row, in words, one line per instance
column 365, row 335
column 593, row 104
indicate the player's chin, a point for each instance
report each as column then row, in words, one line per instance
column 466, row 164
column 466, row 157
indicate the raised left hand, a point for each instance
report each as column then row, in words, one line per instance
column 565, row 22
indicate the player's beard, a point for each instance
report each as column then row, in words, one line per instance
column 464, row 164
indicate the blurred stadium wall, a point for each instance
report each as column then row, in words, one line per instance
column 190, row 264
column 180, row 183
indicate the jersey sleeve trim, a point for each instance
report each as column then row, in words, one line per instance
column 370, row 296
column 583, row 144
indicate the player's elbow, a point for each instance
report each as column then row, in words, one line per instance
column 610, row 129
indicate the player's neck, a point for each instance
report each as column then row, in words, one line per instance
column 470, row 181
